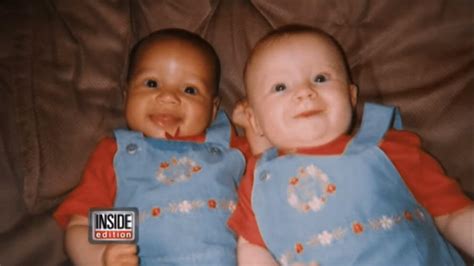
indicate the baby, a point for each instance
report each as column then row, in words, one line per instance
column 324, row 197
column 178, row 164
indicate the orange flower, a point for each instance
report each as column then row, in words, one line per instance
column 357, row 228
column 164, row 165
column 299, row 248
column 408, row 215
column 306, row 207
column 155, row 211
column 196, row 169
column 212, row 204
column 330, row 188
column 294, row 181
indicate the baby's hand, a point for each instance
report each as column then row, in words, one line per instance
column 120, row 254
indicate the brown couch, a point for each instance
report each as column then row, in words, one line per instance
column 62, row 67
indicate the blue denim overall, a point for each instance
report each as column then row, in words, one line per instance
column 348, row 209
column 184, row 191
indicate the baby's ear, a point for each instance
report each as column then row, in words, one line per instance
column 216, row 102
column 239, row 114
column 353, row 91
column 124, row 97
column 255, row 125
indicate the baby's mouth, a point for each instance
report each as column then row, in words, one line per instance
column 307, row 114
column 168, row 122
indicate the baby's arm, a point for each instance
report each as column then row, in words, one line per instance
column 82, row 252
column 458, row 228
column 250, row 254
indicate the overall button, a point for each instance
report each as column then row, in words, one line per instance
column 264, row 176
column 132, row 148
column 214, row 151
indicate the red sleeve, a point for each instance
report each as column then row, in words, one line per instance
column 423, row 175
column 97, row 187
column 242, row 220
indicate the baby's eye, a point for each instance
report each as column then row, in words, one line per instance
column 279, row 87
column 320, row 78
column 191, row 90
column 150, row 83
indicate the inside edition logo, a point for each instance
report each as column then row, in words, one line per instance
column 113, row 225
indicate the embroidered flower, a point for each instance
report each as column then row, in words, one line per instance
column 325, row 238
column 161, row 176
column 386, row 222
column 357, row 228
column 316, row 203
column 294, row 181
column 420, row 214
column 183, row 160
column 212, row 204
column 185, row 206
column 330, row 188
column 324, row 178
column 284, row 260
column 311, row 170
column 232, row 206
column 155, row 212
column 293, row 200
column 299, row 248
column 408, row 215
column 288, row 259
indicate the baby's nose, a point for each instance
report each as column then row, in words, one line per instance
column 166, row 96
column 305, row 92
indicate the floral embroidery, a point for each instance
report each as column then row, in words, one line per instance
column 299, row 248
column 185, row 206
column 303, row 189
column 420, row 214
column 385, row 222
column 330, row 188
column 326, row 238
column 211, row 203
column 177, row 170
column 408, row 215
column 288, row 260
column 228, row 205
column 357, row 228
column 155, row 211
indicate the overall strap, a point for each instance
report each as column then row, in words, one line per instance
column 269, row 154
column 220, row 130
column 124, row 137
column 376, row 121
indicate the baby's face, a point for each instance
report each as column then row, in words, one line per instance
column 299, row 92
column 171, row 91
